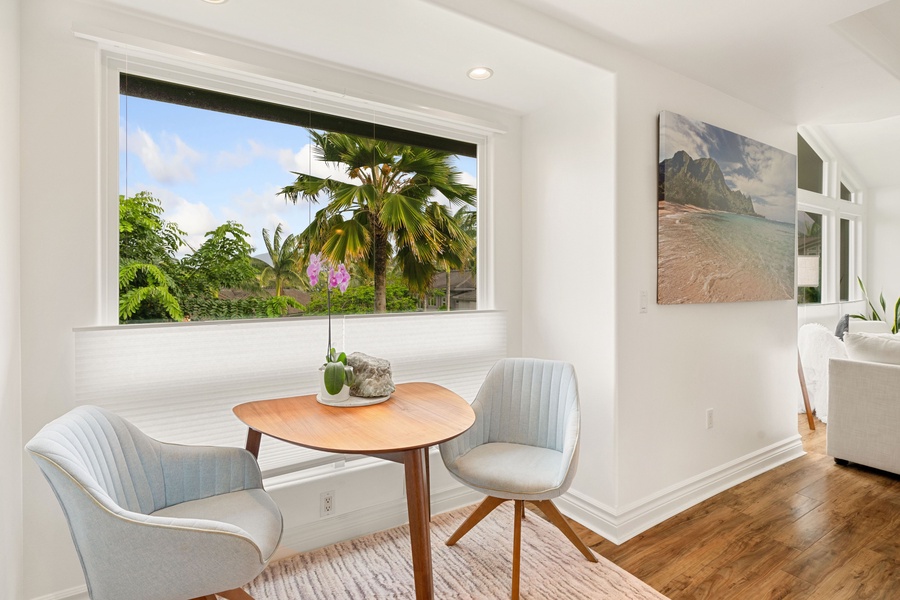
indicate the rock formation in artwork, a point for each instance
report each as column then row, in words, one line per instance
column 700, row 182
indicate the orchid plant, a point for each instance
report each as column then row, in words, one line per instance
column 337, row 373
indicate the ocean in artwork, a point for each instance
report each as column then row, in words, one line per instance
column 715, row 256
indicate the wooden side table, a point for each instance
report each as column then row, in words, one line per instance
column 417, row 416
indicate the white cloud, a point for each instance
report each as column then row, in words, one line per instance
column 171, row 161
column 244, row 155
column 681, row 133
column 467, row 179
column 772, row 178
column 305, row 162
column 256, row 210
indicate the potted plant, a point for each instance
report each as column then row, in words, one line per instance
column 337, row 376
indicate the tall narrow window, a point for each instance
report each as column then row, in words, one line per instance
column 845, row 193
column 845, row 240
column 225, row 199
column 809, row 257
column 810, row 167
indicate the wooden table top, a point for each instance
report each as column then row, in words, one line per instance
column 416, row 416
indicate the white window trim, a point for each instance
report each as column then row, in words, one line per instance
column 116, row 59
column 833, row 209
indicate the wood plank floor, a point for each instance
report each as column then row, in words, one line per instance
column 808, row 529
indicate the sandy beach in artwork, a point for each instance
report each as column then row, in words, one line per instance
column 714, row 256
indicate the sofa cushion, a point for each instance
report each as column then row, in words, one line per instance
column 873, row 347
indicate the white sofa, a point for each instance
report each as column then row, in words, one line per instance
column 864, row 403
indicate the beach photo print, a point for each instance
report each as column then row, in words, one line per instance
column 726, row 215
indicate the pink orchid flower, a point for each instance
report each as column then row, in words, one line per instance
column 343, row 277
column 312, row 271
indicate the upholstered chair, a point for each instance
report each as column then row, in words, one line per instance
column 156, row 521
column 522, row 447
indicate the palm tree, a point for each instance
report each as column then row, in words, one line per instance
column 387, row 203
column 285, row 257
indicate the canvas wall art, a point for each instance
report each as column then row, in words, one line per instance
column 727, row 209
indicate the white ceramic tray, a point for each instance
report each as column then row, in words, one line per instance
column 354, row 401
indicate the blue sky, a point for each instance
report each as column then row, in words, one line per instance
column 208, row 167
column 765, row 173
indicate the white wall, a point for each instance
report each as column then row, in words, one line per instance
column 11, row 561
column 569, row 258
column 883, row 243
column 677, row 361
column 674, row 362
column 61, row 245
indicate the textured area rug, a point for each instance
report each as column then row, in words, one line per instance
column 478, row 567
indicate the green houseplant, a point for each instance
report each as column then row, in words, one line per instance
column 337, row 375
column 872, row 313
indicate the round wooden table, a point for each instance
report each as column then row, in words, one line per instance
column 418, row 415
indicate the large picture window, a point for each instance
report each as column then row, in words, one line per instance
column 225, row 201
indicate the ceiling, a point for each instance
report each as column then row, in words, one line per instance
column 832, row 64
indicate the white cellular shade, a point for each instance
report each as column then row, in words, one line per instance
column 178, row 383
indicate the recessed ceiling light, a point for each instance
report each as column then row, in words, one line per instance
column 480, row 73
column 215, row 1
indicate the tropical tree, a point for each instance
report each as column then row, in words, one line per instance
column 222, row 261
column 147, row 264
column 153, row 285
column 143, row 234
column 285, row 257
column 386, row 209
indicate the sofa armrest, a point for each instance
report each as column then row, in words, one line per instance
column 195, row 472
column 864, row 413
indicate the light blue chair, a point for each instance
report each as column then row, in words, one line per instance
column 522, row 447
column 155, row 521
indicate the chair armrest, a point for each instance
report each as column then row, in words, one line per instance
column 195, row 472
column 475, row 435
column 191, row 556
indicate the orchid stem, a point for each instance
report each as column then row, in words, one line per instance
column 328, row 350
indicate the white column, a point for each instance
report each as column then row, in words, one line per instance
column 11, row 536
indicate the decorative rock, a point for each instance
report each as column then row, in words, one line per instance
column 372, row 376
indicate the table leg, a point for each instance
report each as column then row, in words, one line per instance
column 253, row 439
column 417, row 503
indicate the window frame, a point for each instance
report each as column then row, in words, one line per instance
column 833, row 209
column 457, row 127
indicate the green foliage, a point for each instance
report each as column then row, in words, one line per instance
column 222, row 261
column 872, row 313
column 147, row 264
column 285, row 257
column 361, row 300
column 143, row 234
column 153, row 291
column 200, row 308
column 337, row 373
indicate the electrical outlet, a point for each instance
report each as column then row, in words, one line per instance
column 326, row 503
column 644, row 300
column 709, row 418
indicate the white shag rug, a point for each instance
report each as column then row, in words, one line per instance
column 478, row 567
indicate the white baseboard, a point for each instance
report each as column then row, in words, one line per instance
column 76, row 593
column 618, row 526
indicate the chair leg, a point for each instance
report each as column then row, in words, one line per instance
column 517, row 547
column 483, row 510
column 554, row 516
